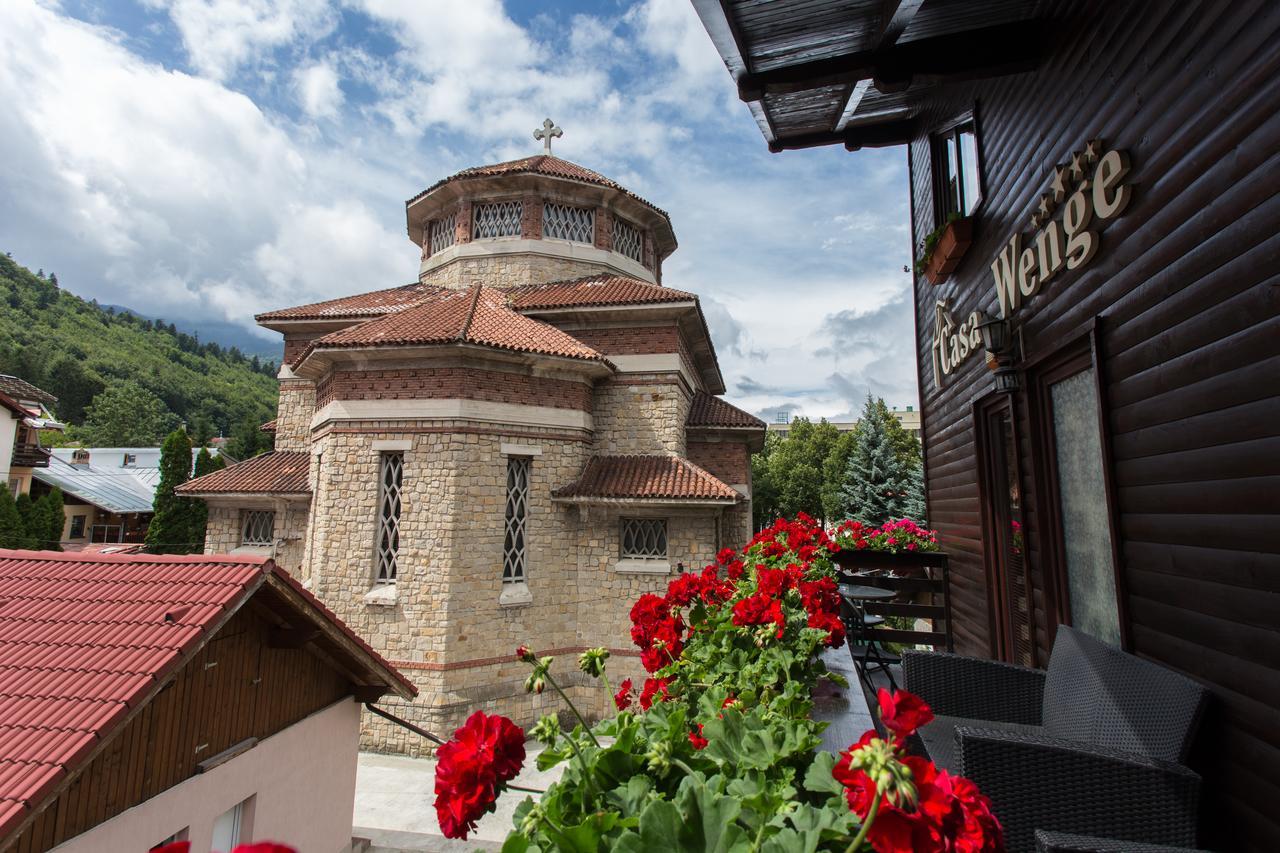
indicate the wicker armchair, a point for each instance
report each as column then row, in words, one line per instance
column 1094, row 745
column 1061, row 842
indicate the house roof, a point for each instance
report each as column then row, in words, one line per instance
column 269, row 426
column 85, row 639
column 596, row 290
column 540, row 164
column 280, row 472
column 375, row 303
column 646, row 478
column 479, row 315
column 20, row 389
column 708, row 410
column 119, row 490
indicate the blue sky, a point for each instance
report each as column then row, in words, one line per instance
column 209, row 159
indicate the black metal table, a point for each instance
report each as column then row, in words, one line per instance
column 857, row 595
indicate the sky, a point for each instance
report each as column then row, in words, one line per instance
column 205, row 160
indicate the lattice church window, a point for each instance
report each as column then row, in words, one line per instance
column 644, row 538
column 565, row 222
column 443, row 232
column 514, row 546
column 390, row 481
column 501, row 219
column 258, row 527
column 626, row 240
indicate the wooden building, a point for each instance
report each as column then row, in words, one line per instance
column 146, row 699
column 1100, row 178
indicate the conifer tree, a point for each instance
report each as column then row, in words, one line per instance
column 914, row 508
column 172, row 529
column 11, row 530
column 206, row 463
column 32, row 522
column 876, row 479
column 44, row 525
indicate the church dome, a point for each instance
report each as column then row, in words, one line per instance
column 535, row 220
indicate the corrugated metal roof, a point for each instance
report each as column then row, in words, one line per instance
column 118, row 490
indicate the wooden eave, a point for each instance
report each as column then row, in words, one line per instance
column 855, row 72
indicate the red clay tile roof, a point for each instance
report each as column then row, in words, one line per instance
column 86, row 638
column 646, row 478
column 710, row 411
column 594, row 290
column 20, row 389
column 269, row 426
column 281, row 472
column 478, row 315
column 372, row 304
column 540, row 164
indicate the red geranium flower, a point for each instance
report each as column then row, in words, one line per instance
column 696, row 738
column 652, row 687
column 622, row 699
column 264, row 847
column 903, row 712
column 472, row 769
column 759, row 609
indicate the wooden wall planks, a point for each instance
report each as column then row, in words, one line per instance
column 1185, row 282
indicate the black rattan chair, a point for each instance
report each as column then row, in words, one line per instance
column 1061, row 842
column 1095, row 745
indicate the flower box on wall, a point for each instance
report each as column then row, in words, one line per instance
column 953, row 242
column 903, row 562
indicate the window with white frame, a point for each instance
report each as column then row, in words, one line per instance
column 257, row 527
column 957, row 172
column 514, row 548
column 390, row 483
column 565, row 222
column 644, row 538
column 626, row 240
column 443, row 232
column 499, row 219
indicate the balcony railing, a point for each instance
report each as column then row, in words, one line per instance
column 27, row 455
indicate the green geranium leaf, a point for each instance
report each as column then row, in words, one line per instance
column 818, row 778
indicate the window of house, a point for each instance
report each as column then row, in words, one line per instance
column 500, row 219
column 644, row 538
column 390, row 481
column 566, row 222
column 130, row 459
column 514, row 559
column 626, row 240
column 443, row 232
column 180, row 835
column 232, row 827
column 956, row 169
column 77, row 526
column 257, row 527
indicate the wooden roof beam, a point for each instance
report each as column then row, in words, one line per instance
column 895, row 17
column 854, row 138
column 986, row 52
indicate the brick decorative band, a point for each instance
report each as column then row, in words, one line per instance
column 424, row 666
column 453, row 383
column 467, row 430
column 631, row 340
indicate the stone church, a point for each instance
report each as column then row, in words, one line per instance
column 510, row 449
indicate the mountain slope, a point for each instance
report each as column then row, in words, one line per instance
column 75, row 349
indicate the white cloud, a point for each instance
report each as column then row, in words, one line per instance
column 319, row 94
column 222, row 35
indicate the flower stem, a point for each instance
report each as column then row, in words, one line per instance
column 574, row 709
column 866, row 824
column 526, row 790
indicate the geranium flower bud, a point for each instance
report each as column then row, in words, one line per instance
column 525, row 654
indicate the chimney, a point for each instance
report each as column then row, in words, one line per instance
column 80, row 457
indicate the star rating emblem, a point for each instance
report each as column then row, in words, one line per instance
column 1059, row 183
column 1077, row 166
column 1092, row 150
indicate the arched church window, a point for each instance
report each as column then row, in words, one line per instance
column 443, row 232
column 566, row 222
column 513, row 556
column 626, row 240
column 499, row 219
column 387, row 549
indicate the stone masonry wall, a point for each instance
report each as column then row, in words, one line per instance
column 641, row 414
column 293, row 414
column 222, row 535
column 453, row 383
column 503, row 271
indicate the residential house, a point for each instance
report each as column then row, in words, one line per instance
column 26, row 417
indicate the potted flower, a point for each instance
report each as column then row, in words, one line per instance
column 900, row 546
column 944, row 247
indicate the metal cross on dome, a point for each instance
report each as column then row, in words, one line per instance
column 546, row 133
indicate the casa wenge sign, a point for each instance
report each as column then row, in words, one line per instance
column 1084, row 194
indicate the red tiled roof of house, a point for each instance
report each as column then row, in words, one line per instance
column 711, row 411
column 269, row 426
column 372, row 304
column 646, row 478
column 594, row 290
column 20, row 389
column 280, row 472
column 478, row 315
column 87, row 638
column 539, row 164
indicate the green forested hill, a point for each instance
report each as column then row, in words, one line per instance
column 80, row 352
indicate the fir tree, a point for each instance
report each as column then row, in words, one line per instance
column 206, row 463
column 32, row 527
column 914, row 508
column 172, row 529
column 11, row 530
column 876, row 480
column 48, row 520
